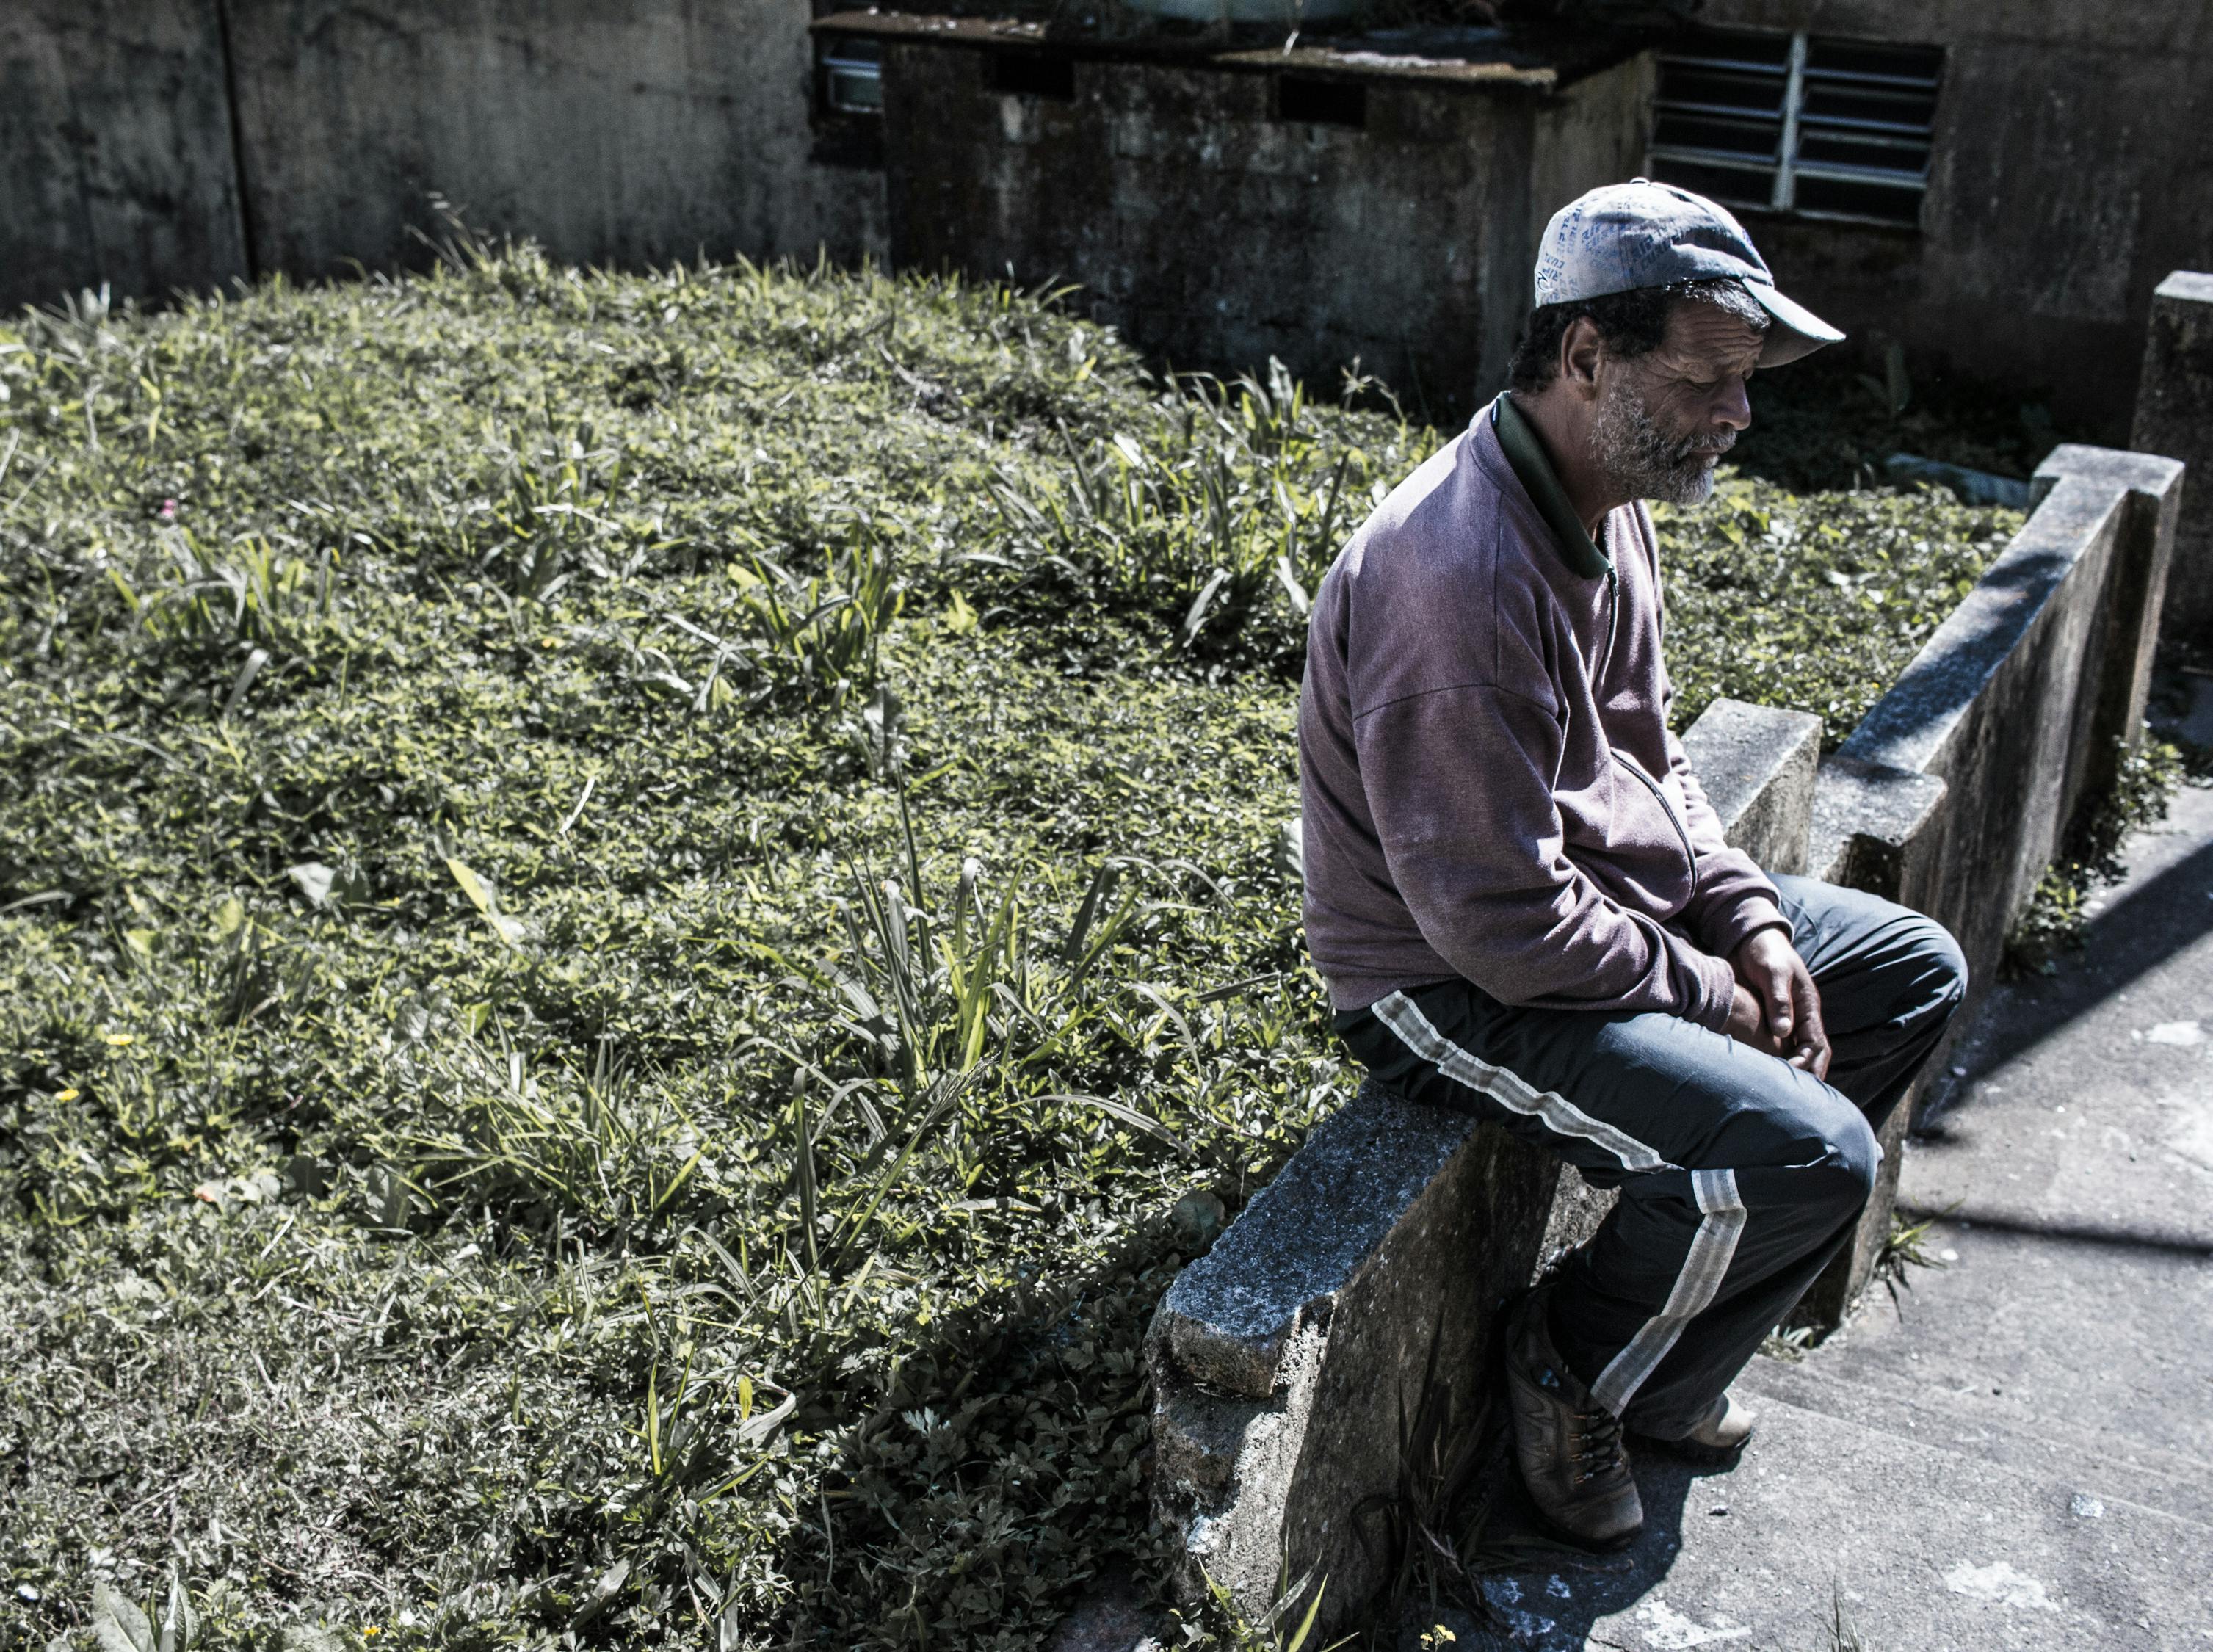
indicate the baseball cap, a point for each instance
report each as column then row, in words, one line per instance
column 1640, row 234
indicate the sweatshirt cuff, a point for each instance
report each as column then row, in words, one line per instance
column 1749, row 916
column 1721, row 991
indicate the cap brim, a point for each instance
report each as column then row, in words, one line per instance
column 1799, row 332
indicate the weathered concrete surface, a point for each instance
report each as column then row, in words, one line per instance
column 1289, row 1362
column 2072, row 168
column 115, row 151
column 621, row 134
column 2017, row 1449
column 2019, row 705
column 1868, row 819
column 614, row 133
column 1215, row 231
column 2174, row 416
column 1757, row 766
column 2017, row 700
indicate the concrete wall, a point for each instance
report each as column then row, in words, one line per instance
column 1962, row 783
column 614, row 132
column 2073, row 169
column 2174, row 416
column 115, row 154
column 1214, row 234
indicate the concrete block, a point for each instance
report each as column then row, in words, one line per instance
column 1959, row 786
column 1867, row 820
column 2012, row 702
column 2174, row 417
column 1757, row 766
column 1358, row 1290
column 2118, row 671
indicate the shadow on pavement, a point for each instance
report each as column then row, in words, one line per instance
column 1551, row 1597
column 2074, row 1232
column 2143, row 928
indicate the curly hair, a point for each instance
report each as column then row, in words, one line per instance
column 1629, row 324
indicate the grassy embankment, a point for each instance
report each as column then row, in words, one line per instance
column 508, row 1131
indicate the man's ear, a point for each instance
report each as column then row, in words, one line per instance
column 1582, row 349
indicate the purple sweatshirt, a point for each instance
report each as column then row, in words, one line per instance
column 1491, row 790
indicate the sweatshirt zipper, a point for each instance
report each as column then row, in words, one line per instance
column 1613, row 617
column 1690, row 854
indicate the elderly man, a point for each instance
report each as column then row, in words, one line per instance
column 1520, row 899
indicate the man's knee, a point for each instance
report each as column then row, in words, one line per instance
column 1822, row 1144
column 1939, row 968
column 1917, row 978
column 1848, row 1172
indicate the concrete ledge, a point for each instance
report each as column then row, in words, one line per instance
column 1757, row 764
column 2174, row 416
column 1288, row 1363
column 1959, row 787
column 2019, row 700
column 1232, row 1317
column 1867, row 819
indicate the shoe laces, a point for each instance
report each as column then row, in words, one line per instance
column 1597, row 1448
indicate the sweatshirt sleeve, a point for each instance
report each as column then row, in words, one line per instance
column 1459, row 781
column 1732, row 899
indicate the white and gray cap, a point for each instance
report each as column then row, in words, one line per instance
column 1641, row 233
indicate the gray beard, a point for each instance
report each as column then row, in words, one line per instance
column 1642, row 462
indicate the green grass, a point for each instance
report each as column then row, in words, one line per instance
column 626, row 904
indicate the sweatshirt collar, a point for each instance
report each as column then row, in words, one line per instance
column 1532, row 467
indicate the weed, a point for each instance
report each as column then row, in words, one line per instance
column 2051, row 923
column 1904, row 1247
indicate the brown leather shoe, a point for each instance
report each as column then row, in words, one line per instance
column 1718, row 1438
column 1568, row 1445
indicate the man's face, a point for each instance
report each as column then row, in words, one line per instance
column 1665, row 419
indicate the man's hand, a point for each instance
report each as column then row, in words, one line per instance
column 1778, row 1004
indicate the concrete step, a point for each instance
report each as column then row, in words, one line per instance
column 2094, row 1463
column 2087, row 1357
column 1911, row 1544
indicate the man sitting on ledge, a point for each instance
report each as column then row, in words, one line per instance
column 1520, row 899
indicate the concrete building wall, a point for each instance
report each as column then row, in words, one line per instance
column 614, row 132
column 1214, row 234
column 115, row 152
column 2072, row 169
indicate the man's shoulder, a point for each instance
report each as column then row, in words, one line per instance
column 1437, row 589
column 1441, row 521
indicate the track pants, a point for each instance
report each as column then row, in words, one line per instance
column 1740, row 1176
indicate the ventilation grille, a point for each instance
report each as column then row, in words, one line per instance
column 1794, row 123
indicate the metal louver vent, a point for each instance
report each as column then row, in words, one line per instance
column 1791, row 123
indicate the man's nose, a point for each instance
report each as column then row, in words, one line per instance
column 1732, row 402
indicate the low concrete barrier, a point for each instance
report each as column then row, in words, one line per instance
column 1289, row 1362
column 1356, row 1298
column 1960, row 785
column 2174, row 416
